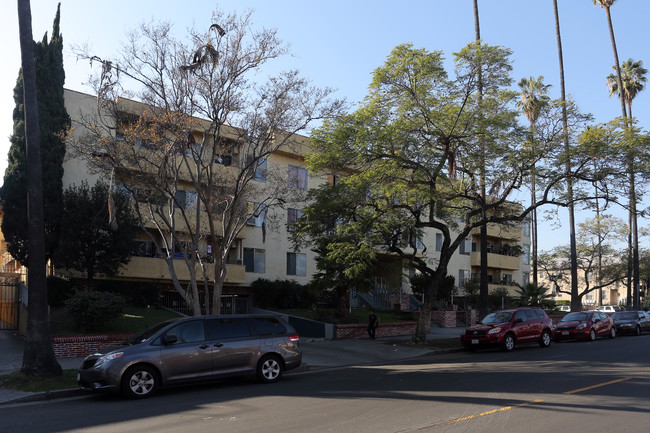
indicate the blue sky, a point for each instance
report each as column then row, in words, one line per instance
column 339, row 43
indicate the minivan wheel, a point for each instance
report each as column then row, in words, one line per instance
column 509, row 343
column 612, row 333
column 592, row 335
column 139, row 381
column 269, row 369
column 545, row 341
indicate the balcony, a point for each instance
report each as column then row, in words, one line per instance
column 498, row 261
column 512, row 289
column 151, row 268
column 501, row 231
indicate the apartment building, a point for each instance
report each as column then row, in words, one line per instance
column 263, row 248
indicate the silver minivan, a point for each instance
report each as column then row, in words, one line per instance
column 195, row 349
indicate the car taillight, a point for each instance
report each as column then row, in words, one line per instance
column 294, row 337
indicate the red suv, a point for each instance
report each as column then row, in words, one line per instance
column 510, row 327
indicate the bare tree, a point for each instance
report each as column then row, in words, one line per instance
column 193, row 149
column 595, row 238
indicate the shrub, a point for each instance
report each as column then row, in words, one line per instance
column 281, row 294
column 59, row 290
column 141, row 294
column 89, row 309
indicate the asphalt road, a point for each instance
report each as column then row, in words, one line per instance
column 569, row 387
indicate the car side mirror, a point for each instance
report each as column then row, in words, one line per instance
column 170, row 339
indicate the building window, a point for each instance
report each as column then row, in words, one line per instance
column 297, row 264
column 463, row 277
column 465, row 246
column 525, row 259
column 254, row 260
column 225, row 160
column 416, row 242
column 438, row 241
column 297, row 177
column 260, row 171
column 259, row 214
column 143, row 248
column 185, row 200
column 293, row 215
column 526, row 228
column 525, row 276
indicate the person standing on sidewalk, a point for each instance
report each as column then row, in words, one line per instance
column 373, row 322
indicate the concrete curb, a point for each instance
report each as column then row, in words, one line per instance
column 303, row 369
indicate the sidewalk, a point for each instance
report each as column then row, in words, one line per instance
column 317, row 354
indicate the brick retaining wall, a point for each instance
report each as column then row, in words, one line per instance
column 83, row 345
column 391, row 329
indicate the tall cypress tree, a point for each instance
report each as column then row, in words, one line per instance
column 54, row 121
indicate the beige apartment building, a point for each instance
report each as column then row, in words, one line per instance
column 264, row 250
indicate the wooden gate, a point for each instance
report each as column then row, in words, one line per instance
column 9, row 302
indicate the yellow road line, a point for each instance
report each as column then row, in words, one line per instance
column 598, row 385
column 502, row 409
column 478, row 415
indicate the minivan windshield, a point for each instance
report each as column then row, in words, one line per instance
column 574, row 317
column 143, row 336
column 498, row 317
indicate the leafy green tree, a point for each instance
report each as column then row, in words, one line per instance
column 337, row 232
column 88, row 243
column 53, row 123
column 408, row 156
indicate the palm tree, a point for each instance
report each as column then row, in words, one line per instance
column 38, row 355
column 533, row 99
column 535, row 296
column 606, row 4
column 576, row 304
column 633, row 78
column 483, row 275
column 634, row 244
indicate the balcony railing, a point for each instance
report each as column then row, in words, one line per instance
column 156, row 268
column 498, row 261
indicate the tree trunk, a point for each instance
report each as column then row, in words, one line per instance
column 483, row 273
column 430, row 292
column 576, row 304
column 632, row 194
column 38, row 356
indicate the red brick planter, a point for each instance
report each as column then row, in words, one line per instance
column 83, row 345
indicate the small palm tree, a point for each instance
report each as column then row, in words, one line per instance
column 633, row 79
column 535, row 296
column 533, row 100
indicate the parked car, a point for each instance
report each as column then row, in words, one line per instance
column 565, row 308
column 631, row 322
column 194, row 349
column 508, row 328
column 584, row 325
column 609, row 309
